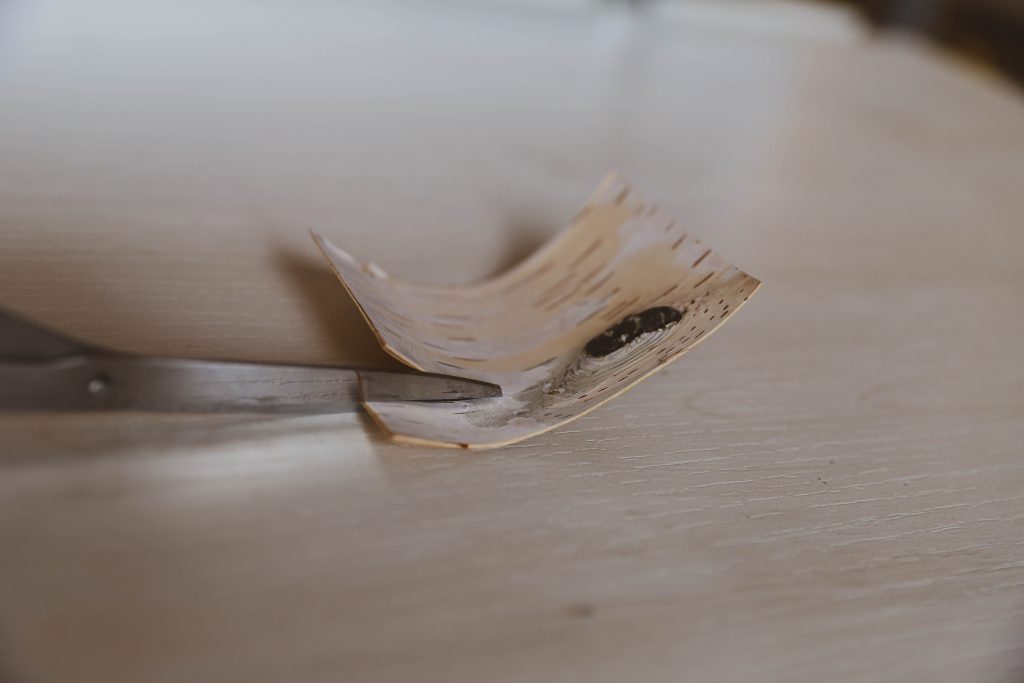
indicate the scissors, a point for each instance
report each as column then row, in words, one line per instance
column 41, row 370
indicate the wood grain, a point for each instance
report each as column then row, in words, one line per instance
column 847, row 506
column 528, row 331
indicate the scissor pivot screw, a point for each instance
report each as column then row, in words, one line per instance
column 99, row 386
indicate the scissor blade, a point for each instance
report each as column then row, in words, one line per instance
column 381, row 385
column 43, row 370
column 123, row 382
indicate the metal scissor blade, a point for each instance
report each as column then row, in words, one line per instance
column 42, row 370
column 123, row 382
column 383, row 385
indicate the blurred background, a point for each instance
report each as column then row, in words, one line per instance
column 477, row 122
column 990, row 31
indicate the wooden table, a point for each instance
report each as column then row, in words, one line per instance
column 832, row 488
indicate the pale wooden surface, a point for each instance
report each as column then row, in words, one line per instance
column 847, row 506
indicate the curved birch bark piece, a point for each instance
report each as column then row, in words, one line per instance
column 530, row 329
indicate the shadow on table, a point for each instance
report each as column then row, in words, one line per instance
column 72, row 435
column 336, row 313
